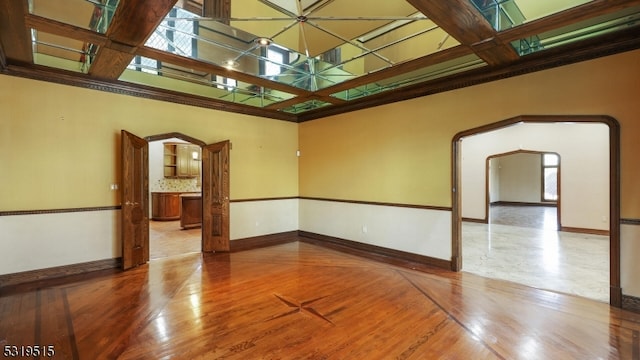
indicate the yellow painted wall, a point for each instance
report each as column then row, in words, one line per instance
column 60, row 145
column 401, row 153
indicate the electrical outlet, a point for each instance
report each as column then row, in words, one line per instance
column 364, row 229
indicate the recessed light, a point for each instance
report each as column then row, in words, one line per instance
column 263, row 41
column 230, row 64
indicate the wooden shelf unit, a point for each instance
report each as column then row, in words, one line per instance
column 179, row 162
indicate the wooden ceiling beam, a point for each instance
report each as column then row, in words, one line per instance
column 217, row 9
column 461, row 20
column 15, row 38
column 133, row 22
column 604, row 45
column 123, row 53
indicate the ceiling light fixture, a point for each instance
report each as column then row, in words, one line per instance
column 230, row 64
column 263, row 41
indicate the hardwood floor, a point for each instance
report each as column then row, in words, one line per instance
column 302, row 301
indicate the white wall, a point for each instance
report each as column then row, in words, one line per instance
column 629, row 264
column 71, row 238
column 584, row 181
column 519, row 178
column 78, row 237
column 419, row 231
column 255, row 218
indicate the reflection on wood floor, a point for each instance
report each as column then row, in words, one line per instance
column 166, row 238
column 521, row 244
column 302, row 301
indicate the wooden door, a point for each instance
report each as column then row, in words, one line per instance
column 135, row 200
column 215, row 197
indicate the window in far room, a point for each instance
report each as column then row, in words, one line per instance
column 550, row 164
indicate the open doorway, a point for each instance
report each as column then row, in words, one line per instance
column 580, row 223
column 523, row 189
column 175, row 188
column 135, row 196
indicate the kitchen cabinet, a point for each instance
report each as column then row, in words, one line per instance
column 181, row 160
column 165, row 206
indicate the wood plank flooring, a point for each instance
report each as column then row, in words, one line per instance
column 302, row 301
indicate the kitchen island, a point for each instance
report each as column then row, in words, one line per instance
column 190, row 210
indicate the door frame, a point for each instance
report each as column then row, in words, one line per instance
column 557, row 203
column 181, row 136
column 143, row 184
column 614, row 188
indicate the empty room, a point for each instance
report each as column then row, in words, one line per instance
column 307, row 179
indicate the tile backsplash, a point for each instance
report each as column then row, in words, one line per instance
column 175, row 185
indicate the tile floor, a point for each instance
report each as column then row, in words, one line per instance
column 166, row 238
column 533, row 253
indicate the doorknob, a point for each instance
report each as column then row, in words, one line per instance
column 128, row 203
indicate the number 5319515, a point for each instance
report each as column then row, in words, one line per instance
column 28, row 350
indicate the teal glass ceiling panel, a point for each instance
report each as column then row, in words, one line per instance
column 93, row 15
column 305, row 106
column 167, row 76
column 582, row 30
column 432, row 72
column 59, row 52
column 505, row 14
column 311, row 52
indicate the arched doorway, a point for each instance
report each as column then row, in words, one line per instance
column 175, row 180
column 135, row 201
column 614, row 194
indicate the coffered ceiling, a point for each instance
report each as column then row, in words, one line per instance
column 299, row 60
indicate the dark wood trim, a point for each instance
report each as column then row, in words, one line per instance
column 59, row 211
column 564, row 18
column 15, row 37
column 176, row 135
column 614, row 186
column 520, row 203
column 59, row 28
column 477, row 221
column 42, row 73
column 133, row 22
column 461, row 20
column 631, row 303
column 411, row 206
column 199, row 65
column 584, row 231
column 630, row 221
column 217, row 9
column 385, row 255
column 412, row 65
column 264, row 199
column 263, row 241
column 3, row 59
column 605, row 45
column 118, row 46
column 38, row 277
